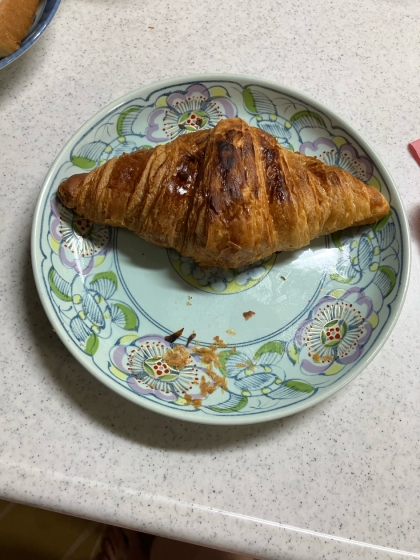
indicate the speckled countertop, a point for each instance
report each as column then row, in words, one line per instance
column 340, row 480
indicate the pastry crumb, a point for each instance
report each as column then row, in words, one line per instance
column 191, row 338
column 248, row 315
column 150, row 26
column 207, row 388
column 195, row 402
column 247, row 364
column 320, row 360
column 219, row 342
column 230, row 331
column 189, row 303
column 282, row 277
column 218, row 380
column 208, row 354
column 172, row 337
column 177, row 357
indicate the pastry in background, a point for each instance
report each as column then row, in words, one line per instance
column 16, row 17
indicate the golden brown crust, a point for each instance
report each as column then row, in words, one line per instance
column 16, row 18
column 225, row 197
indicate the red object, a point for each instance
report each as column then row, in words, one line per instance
column 415, row 150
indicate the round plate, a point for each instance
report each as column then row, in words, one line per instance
column 320, row 314
column 44, row 14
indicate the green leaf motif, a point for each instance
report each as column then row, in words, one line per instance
column 293, row 353
column 92, row 345
column 338, row 278
column 274, row 347
column 323, row 337
column 389, row 272
column 110, row 275
column 127, row 339
column 183, row 118
column 299, row 386
column 168, row 377
column 223, row 357
column 122, row 117
column 382, row 223
column 83, row 162
column 249, row 101
column 336, row 237
column 308, row 116
column 332, row 343
column 337, row 293
column 131, row 321
column 117, row 372
column 59, row 286
column 234, row 404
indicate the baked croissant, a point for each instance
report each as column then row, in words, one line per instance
column 226, row 197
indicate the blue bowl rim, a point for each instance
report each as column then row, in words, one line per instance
column 37, row 34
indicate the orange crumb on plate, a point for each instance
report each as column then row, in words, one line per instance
column 248, row 315
column 219, row 342
column 177, row 357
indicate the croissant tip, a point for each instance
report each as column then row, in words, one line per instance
column 69, row 189
column 379, row 206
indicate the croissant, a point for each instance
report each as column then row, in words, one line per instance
column 226, row 197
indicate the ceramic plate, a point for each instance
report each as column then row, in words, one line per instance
column 321, row 313
column 44, row 14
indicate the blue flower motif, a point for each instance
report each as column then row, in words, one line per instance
column 255, row 375
column 190, row 268
column 361, row 256
column 277, row 126
column 251, row 272
column 216, row 278
column 96, row 310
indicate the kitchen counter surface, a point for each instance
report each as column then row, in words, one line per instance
column 339, row 480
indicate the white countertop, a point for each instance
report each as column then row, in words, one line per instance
column 339, row 480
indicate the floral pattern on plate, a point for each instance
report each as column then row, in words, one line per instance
column 220, row 280
column 266, row 375
column 338, row 152
column 196, row 108
column 336, row 331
